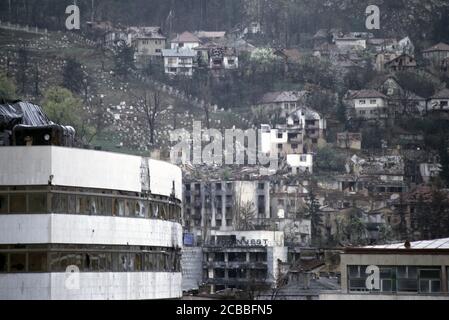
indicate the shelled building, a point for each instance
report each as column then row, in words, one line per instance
column 243, row 259
column 224, row 205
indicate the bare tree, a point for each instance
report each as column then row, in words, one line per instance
column 245, row 215
column 150, row 104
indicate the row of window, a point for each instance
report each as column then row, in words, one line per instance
column 405, row 279
column 94, row 259
column 374, row 101
column 236, row 257
column 237, row 274
column 57, row 201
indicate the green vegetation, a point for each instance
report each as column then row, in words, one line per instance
column 330, row 159
column 7, row 87
column 63, row 108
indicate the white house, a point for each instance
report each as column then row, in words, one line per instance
column 300, row 162
column 370, row 104
column 350, row 43
column 439, row 102
column 149, row 41
column 185, row 40
column 179, row 61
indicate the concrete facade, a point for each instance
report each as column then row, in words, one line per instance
column 92, row 286
column 139, row 254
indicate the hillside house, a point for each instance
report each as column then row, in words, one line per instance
column 437, row 53
column 281, row 103
column 148, row 42
column 439, row 101
column 370, row 104
column 401, row 63
column 185, row 40
column 179, row 61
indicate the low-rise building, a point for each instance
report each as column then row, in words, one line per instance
column 370, row 105
column 349, row 43
column 281, row 103
column 247, row 260
column 402, row 62
column 185, row 40
column 148, row 42
column 437, row 53
column 179, row 61
column 401, row 271
column 439, row 101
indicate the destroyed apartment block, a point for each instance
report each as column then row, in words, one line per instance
column 376, row 174
column 297, row 140
column 239, row 259
column 225, row 205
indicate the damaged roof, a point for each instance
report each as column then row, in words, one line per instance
column 18, row 112
column 438, row 47
column 368, row 93
column 186, row 37
column 283, row 96
column 443, row 94
column 425, row 244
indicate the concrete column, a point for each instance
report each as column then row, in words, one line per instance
column 444, row 284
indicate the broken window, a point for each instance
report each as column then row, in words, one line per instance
column 3, row 203
column 17, row 203
column 407, row 278
column 429, row 280
column 3, row 262
column 219, row 273
column 58, row 203
column 37, row 262
column 17, row 262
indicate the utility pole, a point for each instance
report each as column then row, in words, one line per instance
column 92, row 17
column 10, row 11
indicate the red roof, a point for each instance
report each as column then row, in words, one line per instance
column 186, row 37
column 438, row 47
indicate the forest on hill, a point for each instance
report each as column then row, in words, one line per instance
column 284, row 21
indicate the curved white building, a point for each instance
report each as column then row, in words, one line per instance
column 84, row 224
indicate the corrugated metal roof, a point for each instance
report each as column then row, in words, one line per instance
column 178, row 53
column 425, row 244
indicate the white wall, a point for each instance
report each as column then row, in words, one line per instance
column 294, row 160
column 270, row 140
column 358, row 297
column 274, row 238
column 93, row 286
column 84, row 168
column 368, row 105
column 187, row 45
column 76, row 229
column 273, row 255
column 192, row 268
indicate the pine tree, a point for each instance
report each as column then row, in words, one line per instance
column 313, row 211
column 124, row 60
column 22, row 69
column 73, row 76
